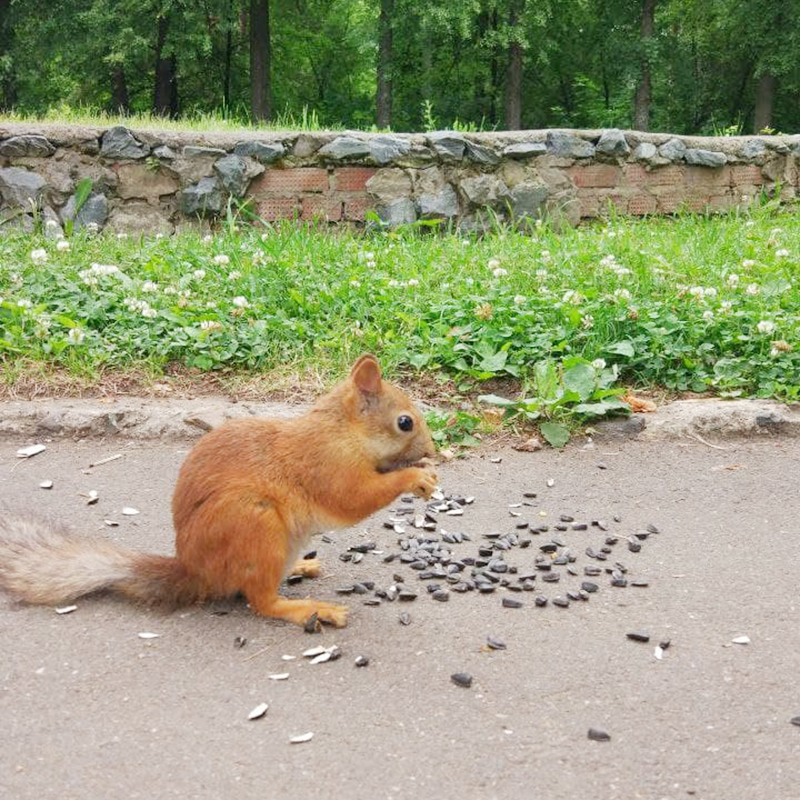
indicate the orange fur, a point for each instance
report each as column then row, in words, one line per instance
column 248, row 497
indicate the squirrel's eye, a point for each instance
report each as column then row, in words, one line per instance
column 405, row 423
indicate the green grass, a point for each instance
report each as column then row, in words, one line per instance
column 192, row 121
column 692, row 304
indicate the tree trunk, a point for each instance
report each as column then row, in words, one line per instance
column 494, row 72
column 383, row 95
column 8, row 85
column 164, row 89
column 641, row 100
column 765, row 97
column 226, row 80
column 260, row 61
column 120, row 100
column 514, row 70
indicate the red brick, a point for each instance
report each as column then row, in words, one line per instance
column 642, row 204
column 290, row 181
column 635, row 175
column 747, row 175
column 703, row 177
column 619, row 201
column 325, row 207
column 356, row 206
column 351, row 179
column 670, row 202
column 272, row 208
column 671, row 175
column 595, row 175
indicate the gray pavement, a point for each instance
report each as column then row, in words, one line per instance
column 90, row 710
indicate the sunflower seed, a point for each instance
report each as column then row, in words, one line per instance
column 540, row 600
column 146, row 635
column 509, row 602
column 562, row 602
column 463, row 679
column 303, row 737
column 361, row 661
column 741, row 640
column 599, row 735
column 258, row 711
column 405, row 619
column 46, row 485
column 795, row 721
column 239, row 642
column 130, row 512
column 320, row 659
column 638, row 637
column 550, row 482
column 495, row 644
column 590, row 587
column 66, row 609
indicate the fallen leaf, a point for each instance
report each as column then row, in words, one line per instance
column 638, row 403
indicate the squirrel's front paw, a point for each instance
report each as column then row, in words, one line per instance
column 424, row 482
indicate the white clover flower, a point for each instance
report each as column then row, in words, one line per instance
column 519, row 299
column 393, row 284
column 733, row 280
column 149, row 286
column 750, row 223
column 122, row 235
column 499, row 272
column 753, row 288
column 545, row 256
column 748, row 263
column 710, row 292
column 571, row 296
column 541, row 274
column 92, row 227
column 621, row 272
column 210, row 304
column 24, row 304
column 369, row 256
column 159, row 236
column 371, row 265
column 240, row 302
column 469, row 281
column 199, row 274
column 259, row 257
column 149, row 312
column 170, row 290
column 234, row 275
column 622, row 294
column 355, row 284
column 599, row 363
column 494, row 263
column 776, row 231
column 587, row 321
column 697, row 291
column 782, row 253
column 208, row 238
column 413, row 282
column 210, row 325
column 104, row 269
column 50, row 224
column 465, row 242
column 608, row 261
column 766, row 326
column 222, row 260
column 75, row 336
column 39, row 256
column 725, row 306
column 62, row 245
column 708, row 314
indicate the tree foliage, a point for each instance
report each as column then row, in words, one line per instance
column 706, row 66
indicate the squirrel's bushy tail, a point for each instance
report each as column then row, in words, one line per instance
column 40, row 562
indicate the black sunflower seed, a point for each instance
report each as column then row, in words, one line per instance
column 508, row 602
column 463, row 679
column 637, row 636
column 599, row 735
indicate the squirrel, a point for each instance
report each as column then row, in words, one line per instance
column 249, row 496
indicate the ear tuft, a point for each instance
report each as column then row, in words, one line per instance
column 366, row 374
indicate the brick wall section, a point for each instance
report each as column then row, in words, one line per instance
column 312, row 193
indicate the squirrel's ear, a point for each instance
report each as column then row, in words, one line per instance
column 366, row 374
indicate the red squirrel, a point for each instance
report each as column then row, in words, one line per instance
column 249, row 496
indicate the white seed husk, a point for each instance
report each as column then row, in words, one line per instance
column 258, row 711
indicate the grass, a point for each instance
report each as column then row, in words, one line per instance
column 192, row 121
column 549, row 326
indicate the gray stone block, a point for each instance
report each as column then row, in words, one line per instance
column 119, row 142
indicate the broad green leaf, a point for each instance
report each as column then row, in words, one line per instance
column 555, row 433
column 494, row 363
column 82, row 191
column 623, row 348
column 580, row 379
column 496, row 400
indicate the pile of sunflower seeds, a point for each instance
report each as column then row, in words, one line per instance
column 429, row 550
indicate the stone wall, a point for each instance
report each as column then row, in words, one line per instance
column 162, row 181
